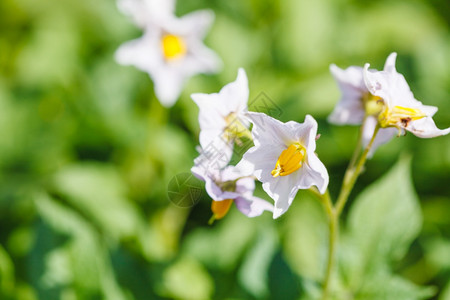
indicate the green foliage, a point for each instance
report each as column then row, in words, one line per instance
column 382, row 223
column 87, row 152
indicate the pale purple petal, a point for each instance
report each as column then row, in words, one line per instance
column 252, row 206
column 350, row 109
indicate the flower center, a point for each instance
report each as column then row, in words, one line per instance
column 228, row 186
column 173, row 46
column 399, row 116
column 234, row 129
column 372, row 104
column 290, row 160
column 221, row 208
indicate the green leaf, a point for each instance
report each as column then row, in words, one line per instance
column 446, row 292
column 82, row 261
column 221, row 246
column 383, row 222
column 98, row 191
column 6, row 272
column 386, row 217
column 253, row 274
column 388, row 287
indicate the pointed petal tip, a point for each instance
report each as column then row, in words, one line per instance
column 389, row 66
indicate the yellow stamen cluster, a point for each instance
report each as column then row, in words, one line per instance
column 290, row 160
column 173, row 46
column 399, row 116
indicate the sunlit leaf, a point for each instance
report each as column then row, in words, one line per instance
column 186, row 279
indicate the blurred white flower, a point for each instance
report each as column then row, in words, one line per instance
column 283, row 158
column 171, row 51
column 144, row 12
column 230, row 185
column 221, row 116
column 401, row 110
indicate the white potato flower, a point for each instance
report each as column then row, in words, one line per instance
column 401, row 110
column 222, row 116
column 283, row 158
column 171, row 51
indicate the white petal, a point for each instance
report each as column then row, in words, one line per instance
column 245, row 186
column 195, row 24
column 282, row 190
column 140, row 53
column 389, row 65
column 305, row 132
column 203, row 60
column 261, row 160
column 235, row 94
column 268, row 131
column 168, row 85
column 429, row 110
column 252, row 206
column 313, row 172
column 350, row 79
column 391, row 86
column 426, row 128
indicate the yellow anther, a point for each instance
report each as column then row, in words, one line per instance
column 399, row 116
column 221, row 208
column 173, row 46
column 290, row 160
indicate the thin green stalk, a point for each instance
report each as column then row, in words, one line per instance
column 348, row 184
column 333, row 220
column 334, row 211
column 357, row 151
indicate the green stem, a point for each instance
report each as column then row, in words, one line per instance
column 348, row 184
column 358, row 148
column 333, row 220
column 334, row 211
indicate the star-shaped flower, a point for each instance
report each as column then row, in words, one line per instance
column 222, row 115
column 283, row 158
column 401, row 110
column 229, row 185
column 171, row 51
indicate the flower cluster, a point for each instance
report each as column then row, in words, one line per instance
column 171, row 49
column 282, row 158
column 283, row 155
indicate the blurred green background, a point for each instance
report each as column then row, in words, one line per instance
column 87, row 152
